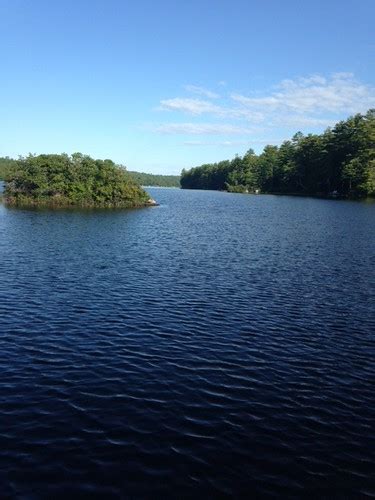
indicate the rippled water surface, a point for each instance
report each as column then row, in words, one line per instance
column 216, row 346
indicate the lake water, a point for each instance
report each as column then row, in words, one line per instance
column 219, row 345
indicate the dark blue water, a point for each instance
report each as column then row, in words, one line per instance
column 219, row 345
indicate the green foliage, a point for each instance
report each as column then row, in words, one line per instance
column 341, row 159
column 76, row 180
column 154, row 179
column 7, row 165
column 211, row 176
column 237, row 188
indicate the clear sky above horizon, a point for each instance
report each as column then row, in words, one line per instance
column 164, row 85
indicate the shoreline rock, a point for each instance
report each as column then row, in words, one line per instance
column 152, row 203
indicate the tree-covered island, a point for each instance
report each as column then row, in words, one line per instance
column 339, row 162
column 77, row 180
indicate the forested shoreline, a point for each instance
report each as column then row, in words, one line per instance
column 157, row 180
column 340, row 161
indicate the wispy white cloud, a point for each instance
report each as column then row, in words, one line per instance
column 300, row 120
column 306, row 103
column 194, row 89
column 200, row 107
column 203, row 129
column 187, row 105
column 231, row 143
column 215, row 143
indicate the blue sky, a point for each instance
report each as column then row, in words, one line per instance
column 163, row 85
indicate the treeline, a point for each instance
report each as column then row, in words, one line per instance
column 76, row 180
column 341, row 161
column 154, row 179
column 7, row 166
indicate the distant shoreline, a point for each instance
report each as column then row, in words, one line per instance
column 161, row 187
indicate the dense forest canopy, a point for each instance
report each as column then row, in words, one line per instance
column 63, row 180
column 341, row 160
column 155, row 179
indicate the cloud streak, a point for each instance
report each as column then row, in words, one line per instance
column 190, row 106
column 231, row 143
column 203, row 129
column 194, row 89
column 200, row 107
